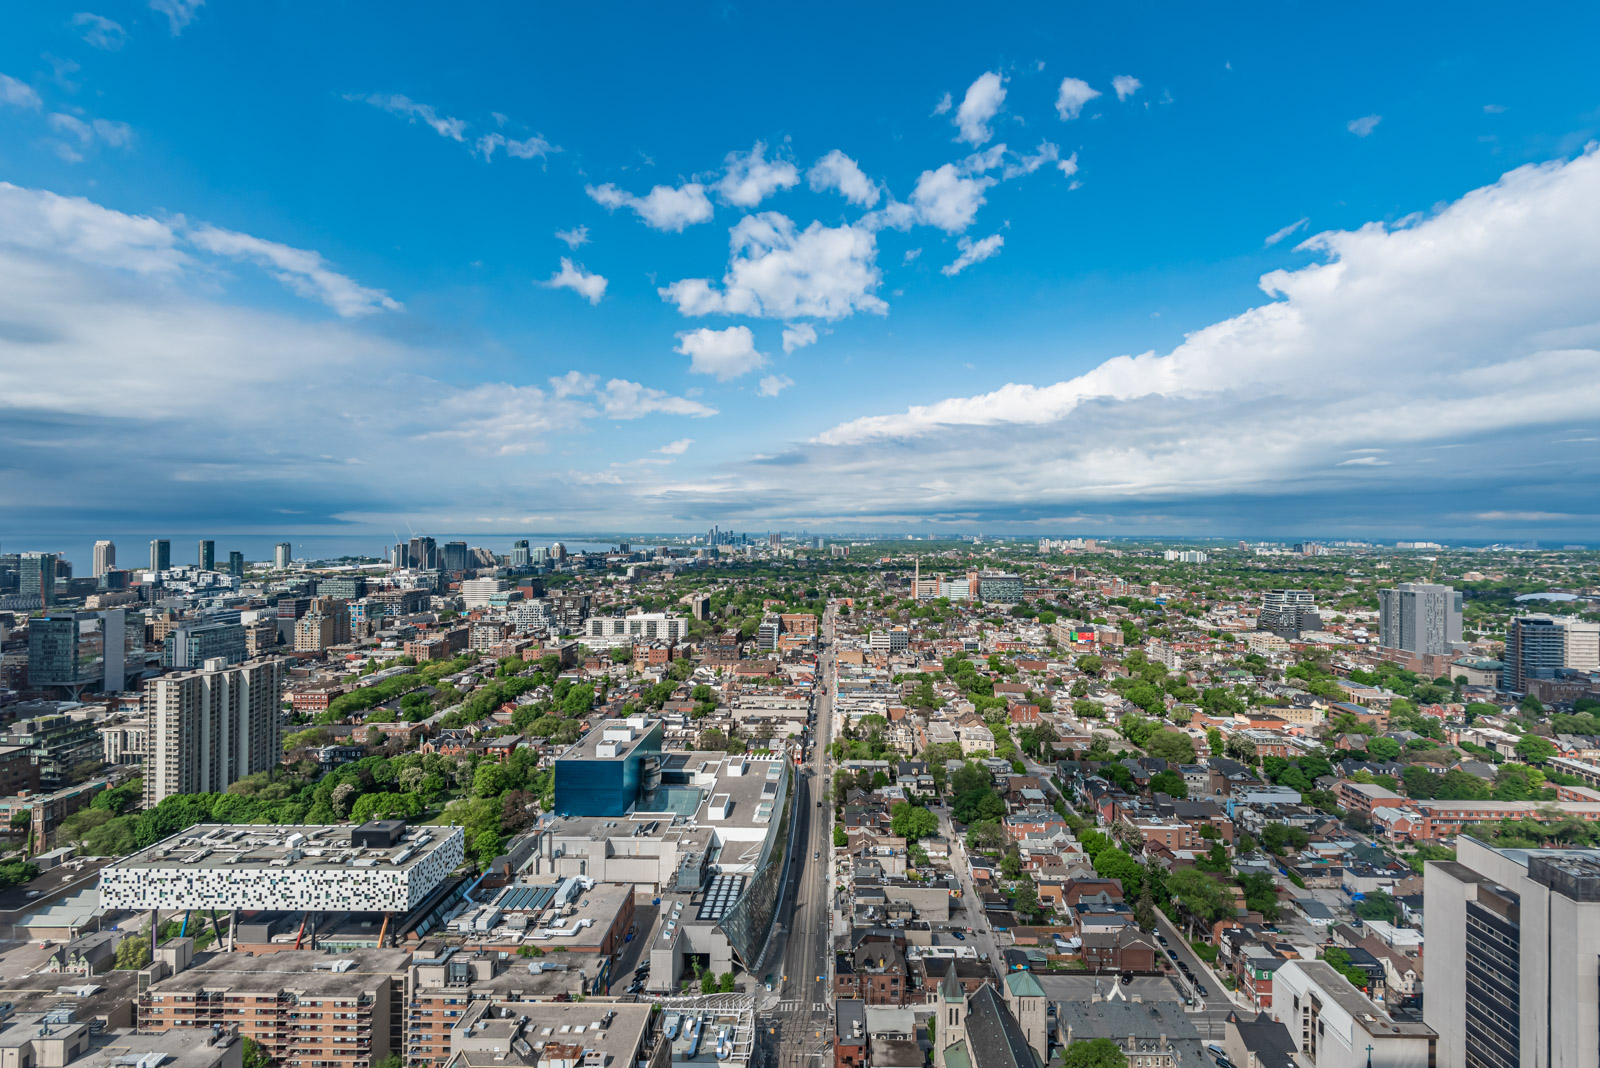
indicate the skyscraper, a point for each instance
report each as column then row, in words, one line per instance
column 78, row 651
column 422, row 553
column 1513, row 935
column 206, row 555
column 105, row 557
column 212, row 727
column 455, row 556
column 520, row 556
column 160, row 555
column 282, row 553
column 236, row 564
column 1419, row 619
column 37, row 575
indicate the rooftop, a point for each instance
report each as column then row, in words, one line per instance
column 273, row 848
column 302, row 974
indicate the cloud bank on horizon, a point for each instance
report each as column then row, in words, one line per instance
column 1433, row 371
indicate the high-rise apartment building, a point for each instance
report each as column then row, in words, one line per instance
column 520, row 555
column 1541, row 646
column 212, row 727
column 1419, row 619
column 236, row 564
column 421, row 553
column 326, row 623
column 206, row 555
column 190, row 645
column 160, row 555
column 105, row 557
column 37, row 575
column 454, row 556
column 1513, row 937
column 1288, row 612
column 282, row 554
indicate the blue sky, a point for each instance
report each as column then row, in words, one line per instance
column 266, row 266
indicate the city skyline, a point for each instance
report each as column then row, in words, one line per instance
column 1051, row 274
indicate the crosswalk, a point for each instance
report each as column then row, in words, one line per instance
column 795, row 1005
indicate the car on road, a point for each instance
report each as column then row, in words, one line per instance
column 1161, row 938
column 959, row 936
column 816, row 854
column 1215, row 1050
column 1201, row 990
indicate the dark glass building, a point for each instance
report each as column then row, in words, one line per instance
column 604, row 774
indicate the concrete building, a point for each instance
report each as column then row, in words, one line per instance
column 78, row 651
column 189, row 645
column 606, row 631
column 1542, row 647
column 105, row 557
column 212, row 727
column 890, row 640
column 1288, row 612
column 326, row 623
column 59, row 745
column 1419, row 618
column 282, row 554
column 382, row 867
column 305, row 1010
column 1513, row 936
column 475, row 593
column 1336, row 1026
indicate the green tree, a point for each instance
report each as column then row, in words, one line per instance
column 1169, row 783
column 254, row 1056
column 1378, row 906
column 1095, row 1053
column 1383, row 748
column 1171, row 746
column 725, row 984
column 133, row 953
column 840, row 839
column 1534, row 749
column 912, row 822
column 1200, row 895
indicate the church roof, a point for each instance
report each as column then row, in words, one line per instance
column 950, row 987
column 994, row 1034
column 1024, row 985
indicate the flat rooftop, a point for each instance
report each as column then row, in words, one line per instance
column 613, row 739
column 489, row 1034
column 273, row 848
column 303, row 974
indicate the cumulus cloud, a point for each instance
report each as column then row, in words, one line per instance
column 302, row 270
column 798, row 336
column 591, row 287
column 18, row 94
column 777, row 271
column 725, row 353
column 408, row 109
column 949, row 197
column 1070, row 98
column 663, row 208
column 40, row 222
column 676, row 448
column 749, row 178
column 1364, row 125
column 1126, row 85
column 179, row 12
column 973, row 252
column 837, row 171
column 1069, row 166
column 1484, row 306
column 978, row 107
column 772, row 385
column 99, row 31
column 578, row 235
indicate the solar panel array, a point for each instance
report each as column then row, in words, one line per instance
column 526, row 898
column 720, row 896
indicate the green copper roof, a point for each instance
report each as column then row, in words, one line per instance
column 1024, row 985
column 956, row 1056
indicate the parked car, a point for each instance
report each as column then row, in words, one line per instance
column 959, row 936
column 1200, row 989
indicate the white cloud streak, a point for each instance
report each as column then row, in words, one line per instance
column 663, row 208
column 980, row 105
column 399, row 104
column 303, row 271
column 179, row 12
column 99, row 31
column 19, row 94
column 1363, row 126
column 750, row 178
column 578, row 235
column 1293, row 228
column 973, row 252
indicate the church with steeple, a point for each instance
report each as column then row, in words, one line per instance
column 991, row 1028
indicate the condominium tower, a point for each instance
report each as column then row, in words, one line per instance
column 105, row 557
column 160, row 555
column 212, row 727
column 1420, row 618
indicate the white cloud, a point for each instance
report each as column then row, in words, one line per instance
column 1126, row 85
column 179, row 12
column 676, row 448
column 944, row 105
column 86, row 134
column 912, row 254
column 980, row 105
column 100, row 31
column 1073, row 94
column 1294, row 227
column 1362, row 461
column 578, row 235
column 590, row 287
column 663, row 208
column 798, row 336
column 621, row 399
column 1523, row 516
column 772, row 385
column 1485, row 307
column 1364, row 125
column 1045, row 153
column 408, row 109
column 725, row 353
column 949, row 198
column 973, row 252
column 42, row 222
column 1068, row 166
column 778, row 272
column 749, row 178
column 1494, row 109
column 18, row 94
column 506, row 420
column 532, row 147
column 838, row 171
column 302, row 270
